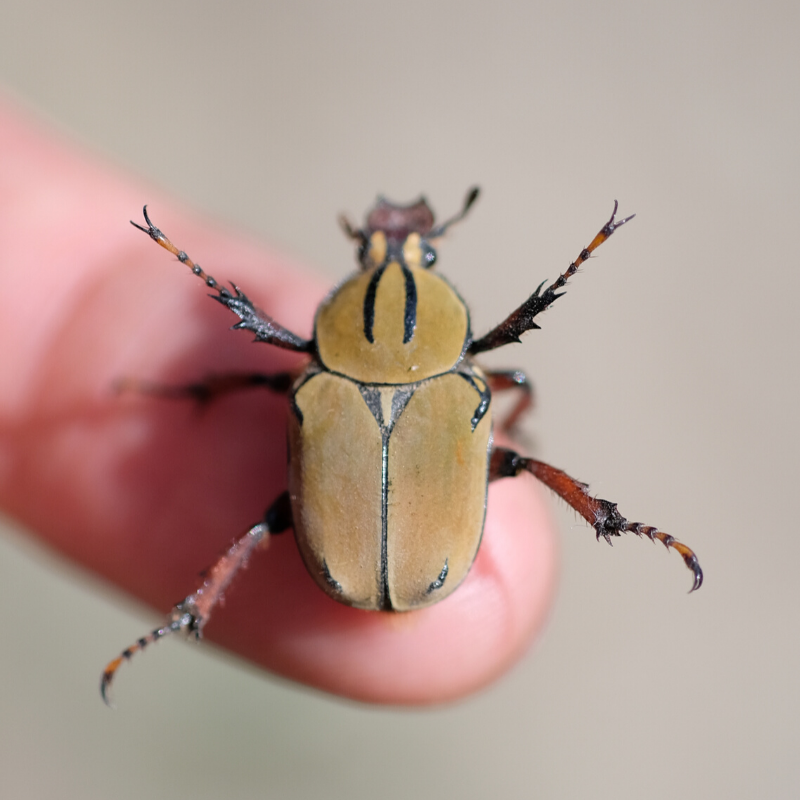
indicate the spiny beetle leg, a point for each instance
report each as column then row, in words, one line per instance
column 503, row 380
column 251, row 317
column 211, row 388
column 193, row 612
column 602, row 515
column 521, row 320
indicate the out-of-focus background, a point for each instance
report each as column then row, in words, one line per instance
column 668, row 377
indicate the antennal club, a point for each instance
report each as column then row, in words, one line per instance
column 469, row 201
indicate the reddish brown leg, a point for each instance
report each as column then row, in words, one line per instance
column 504, row 380
column 602, row 515
column 251, row 317
column 193, row 612
column 522, row 319
column 211, row 388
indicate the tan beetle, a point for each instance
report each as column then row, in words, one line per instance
column 390, row 429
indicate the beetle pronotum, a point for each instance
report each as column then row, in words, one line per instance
column 410, row 445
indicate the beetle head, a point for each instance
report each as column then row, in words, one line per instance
column 401, row 233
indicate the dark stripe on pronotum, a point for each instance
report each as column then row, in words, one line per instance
column 410, row 313
column 369, row 303
column 410, row 317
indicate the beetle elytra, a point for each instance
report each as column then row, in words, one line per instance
column 391, row 412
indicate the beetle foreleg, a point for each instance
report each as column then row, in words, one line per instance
column 602, row 515
column 212, row 387
column 503, row 380
column 260, row 323
column 522, row 319
column 193, row 612
column 251, row 317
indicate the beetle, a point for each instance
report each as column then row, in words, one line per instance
column 392, row 413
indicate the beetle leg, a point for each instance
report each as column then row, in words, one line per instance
column 521, row 320
column 602, row 515
column 512, row 379
column 212, row 387
column 193, row 612
column 251, row 317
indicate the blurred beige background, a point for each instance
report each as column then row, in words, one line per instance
column 668, row 377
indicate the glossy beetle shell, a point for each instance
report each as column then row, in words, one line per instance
column 389, row 444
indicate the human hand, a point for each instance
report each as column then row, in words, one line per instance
column 147, row 492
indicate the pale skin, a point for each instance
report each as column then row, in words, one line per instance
column 147, row 492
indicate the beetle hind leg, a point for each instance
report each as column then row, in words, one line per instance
column 602, row 515
column 179, row 621
column 193, row 612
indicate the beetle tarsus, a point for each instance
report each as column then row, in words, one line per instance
column 602, row 515
column 151, row 230
column 181, row 620
column 612, row 225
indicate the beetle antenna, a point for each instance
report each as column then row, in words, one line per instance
column 356, row 234
column 469, row 200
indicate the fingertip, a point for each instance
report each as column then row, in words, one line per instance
column 435, row 655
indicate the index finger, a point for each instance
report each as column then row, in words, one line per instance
column 147, row 493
